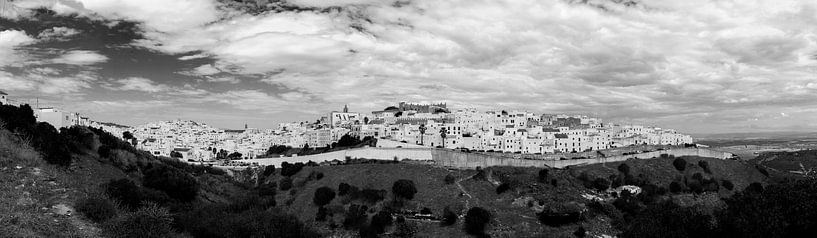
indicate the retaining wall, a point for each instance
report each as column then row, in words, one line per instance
column 360, row 153
column 457, row 159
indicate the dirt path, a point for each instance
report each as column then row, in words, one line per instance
column 462, row 189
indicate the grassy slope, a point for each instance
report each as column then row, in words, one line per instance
column 28, row 193
column 510, row 220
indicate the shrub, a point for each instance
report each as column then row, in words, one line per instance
column 176, row 183
column 426, row 211
column 728, row 185
column 98, row 209
column 405, row 228
column 355, row 216
column 319, row 176
column 705, row 165
column 450, row 179
column 343, row 189
column 476, row 220
column 131, row 195
column 762, row 170
column 285, row 184
column 404, row 188
column 601, row 184
column 581, row 232
column 322, row 213
column 149, row 221
column 219, row 222
column 380, row 221
column 269, row 170
column 675, row 187
column 680, row 164
column 543, row 175
column 288, row 169
column 323, row 196
column 502, row 188
column 267, row 189
column 449, row 217
column 370, row 196
column 624, row 168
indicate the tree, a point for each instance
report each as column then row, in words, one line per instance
column 680, row 164
column 404, row 188
column 449, row 217
column 365, row 120
column 323, row 196
column 269, row 170
column 543, row 175
column 175, row 154
column 443, row 134
column 176, row 183
column 601, row 184
column 127, row 135
column 449, row 179
column 728, row 185
column 581, row 232
column 476, row 219
column 624, row 168
column 675, row 187
column 343, row 189
column 380, row 221
column 705, row 166
column 422, row 133
column 502, row 188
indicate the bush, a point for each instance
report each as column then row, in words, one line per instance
column 728, row 185
column 380, row 221
column 267, row 189
column 288, row 169
column 355, row 216
column 675, row 187
column 404, row 188
column 176, row 183
column 269, row 170
column 581, row 232
column 502, row 188
column 705, row 165
column 343, row 189
column 624, row 168
column 149, row 221
column 450, row 179
column 131, row 195
column 449, row 217
column 680, row 164
column 217, row 221
column 543, row 175
column 97, row 209
column 322, row 213
column 601, row 184
column 323, row 196
column 762, row 170
column 476, row 220
column 285, row 184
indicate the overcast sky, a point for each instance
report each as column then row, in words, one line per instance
column 700, row 66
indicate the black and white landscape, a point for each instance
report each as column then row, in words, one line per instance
column 408, row 118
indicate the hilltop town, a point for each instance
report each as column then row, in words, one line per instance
column 405, row 125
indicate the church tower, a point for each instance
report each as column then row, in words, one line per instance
column 345, row 108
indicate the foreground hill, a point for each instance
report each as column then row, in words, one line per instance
column 523, row 202
column 84, row 182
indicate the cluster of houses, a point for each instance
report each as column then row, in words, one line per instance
column 424, row 125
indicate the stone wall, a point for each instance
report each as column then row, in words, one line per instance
column 360, row 153
column 457, row 159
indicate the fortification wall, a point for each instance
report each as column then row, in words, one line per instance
column 457, row 159
column 367, row 153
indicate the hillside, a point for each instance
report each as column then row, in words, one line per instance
column 523, row 208
column 84, row 182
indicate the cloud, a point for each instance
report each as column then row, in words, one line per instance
column 59, row 33
column 47, row 84
column 140, row 84
column 80, row 57
column 9, row 41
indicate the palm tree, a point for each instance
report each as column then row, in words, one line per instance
column 443, row 134
column 422, row 132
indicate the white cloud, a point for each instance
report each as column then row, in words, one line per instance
column 140, row 84
column 9, row 41
column 60, row 33
column 47, row 84
column 80, row 57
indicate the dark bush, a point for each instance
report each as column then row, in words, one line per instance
column 449, row 217
column 269, row 170
column 554, row 182
column 581, row 232
column 176, row 183
column 601, row 184
column 450, row 179
column 705, row 165
column 476, row 220
column 698, row 176
column 695, row 186
column 675, row 187
column 728, row 185
column 323, row 196
column 502, row 188
column 97, row 209
column 380, row 221
column 131, row 195
column 319, row 176
column 343, row 189
column 762, row 170
column 426, row 211
column 680, row 164
column 267, row 189
column 404, row 188
column 355, row 217
column 285, row 184
column 322, row 214
column 370, row 196
column 624, row 168
column 217, row 221
column 543, row 175
column 288, row 169
column 149, row 221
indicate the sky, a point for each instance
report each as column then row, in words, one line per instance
column 699, row 66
